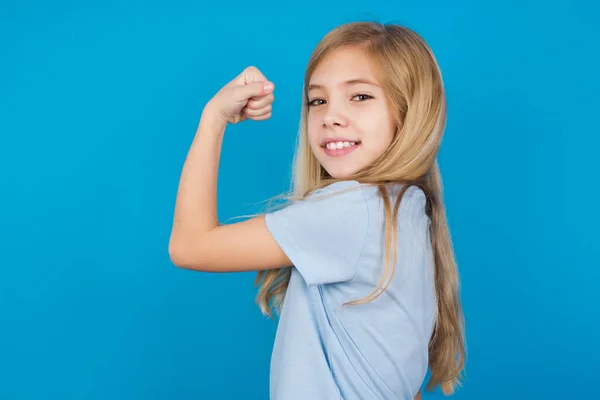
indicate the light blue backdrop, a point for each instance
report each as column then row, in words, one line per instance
column 99, row 102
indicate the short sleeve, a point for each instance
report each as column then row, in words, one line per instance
column 323, row 237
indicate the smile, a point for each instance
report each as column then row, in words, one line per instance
column 338, row 149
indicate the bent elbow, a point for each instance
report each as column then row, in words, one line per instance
column 185, row 256
column 176, row 258
column 179, row 255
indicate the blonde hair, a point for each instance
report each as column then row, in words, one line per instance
column 412, row 81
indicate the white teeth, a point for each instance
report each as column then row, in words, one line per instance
column 339, row 145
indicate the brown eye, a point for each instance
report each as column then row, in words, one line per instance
column 363, row 97
column 314, row 102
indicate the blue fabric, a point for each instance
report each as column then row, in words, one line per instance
column 325, row 350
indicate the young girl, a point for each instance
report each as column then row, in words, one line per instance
column 360, row 264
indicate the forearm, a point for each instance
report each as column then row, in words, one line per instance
column 196, row 203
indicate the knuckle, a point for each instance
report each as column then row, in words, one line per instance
column 253, row 104
column 252, row 112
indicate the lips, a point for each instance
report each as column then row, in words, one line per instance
column 326, row 141
column 338, row 152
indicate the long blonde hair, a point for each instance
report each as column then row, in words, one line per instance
column 412, row 81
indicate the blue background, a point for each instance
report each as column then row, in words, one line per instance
column 99, row 102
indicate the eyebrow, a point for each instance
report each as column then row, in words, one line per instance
column 345, row 83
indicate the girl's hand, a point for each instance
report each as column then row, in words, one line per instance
column 248, row 96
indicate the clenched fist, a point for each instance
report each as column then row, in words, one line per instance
column 248, row 96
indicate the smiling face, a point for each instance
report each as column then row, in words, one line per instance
column 349, row 122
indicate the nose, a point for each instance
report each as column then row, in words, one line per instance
column 334, row 118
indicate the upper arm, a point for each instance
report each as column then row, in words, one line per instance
column 322, row 237
column 242, row 246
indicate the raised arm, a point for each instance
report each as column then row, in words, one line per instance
column 197, row 239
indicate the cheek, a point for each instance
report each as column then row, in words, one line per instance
column 390, row 132
column 312, row 127
column 387, row 127
column 313, row 118
column 378, row 131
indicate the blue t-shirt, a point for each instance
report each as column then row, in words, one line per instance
column 379, row 350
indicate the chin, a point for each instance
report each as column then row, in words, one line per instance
column 340, row 171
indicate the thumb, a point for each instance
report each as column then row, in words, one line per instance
column 255, row 89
